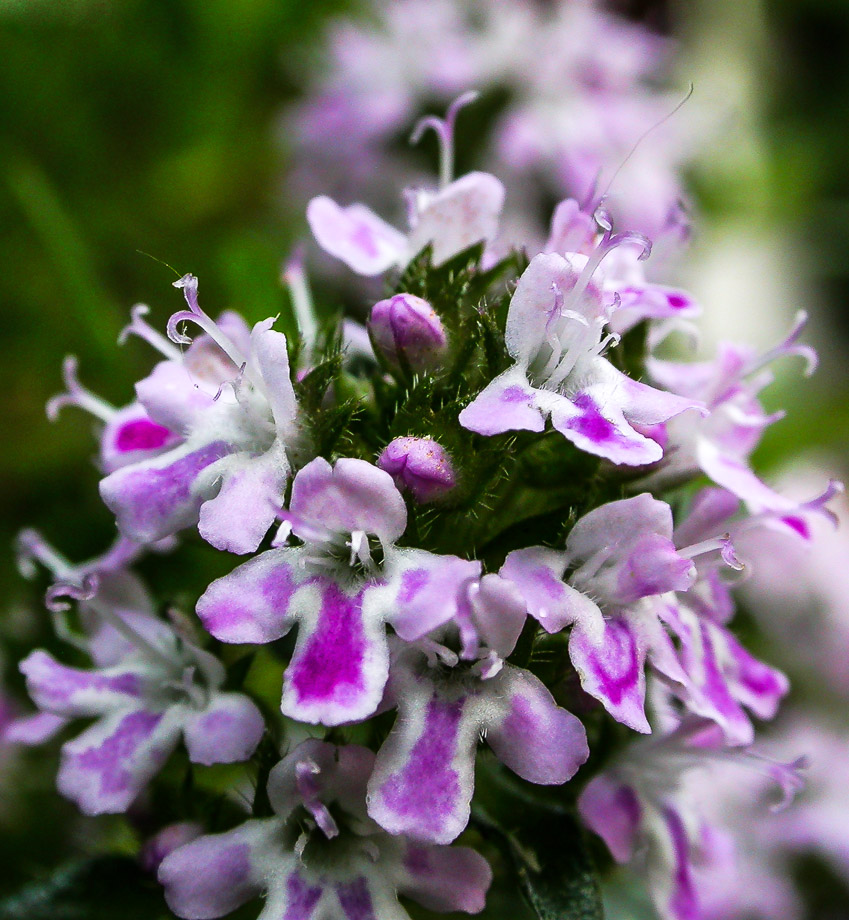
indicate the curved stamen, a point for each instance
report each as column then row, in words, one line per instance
column 306, row 774
column 77, row 395
column 86, row 592
column 790, row 345
column 444, row 130
column 31, row 547
column 138, row 326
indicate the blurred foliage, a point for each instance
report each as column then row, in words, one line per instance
column 127, row 126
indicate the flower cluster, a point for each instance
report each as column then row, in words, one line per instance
column 474, row 544
column 570, row 88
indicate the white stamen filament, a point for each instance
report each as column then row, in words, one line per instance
column 139, row 327
column 78, row 395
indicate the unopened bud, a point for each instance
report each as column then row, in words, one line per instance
column 420, row 465
column 406, row 325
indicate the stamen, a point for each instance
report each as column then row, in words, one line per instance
column 437, row 653
column 444, row 130
column 189, row 285
column 77, row 395
column 306, row 772
column 87, row 593
column 723, row 544
column 31, row 547
column 138, row 326
column 295, row 278
column 789, row 346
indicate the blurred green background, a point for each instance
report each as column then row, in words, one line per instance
column 153, row 126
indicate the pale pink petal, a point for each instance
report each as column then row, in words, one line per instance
column 356, row 235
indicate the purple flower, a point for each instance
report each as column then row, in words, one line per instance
column 555, row 336
column 320, row 855
column 721, row 443
column 644, row 812
column 406, row 328
column 160, row 690
column 423, row 778
column 619, row 558
column 421, row 465
column 128, row 435
column 231, row 400
column 453, row 219
column 341, row 584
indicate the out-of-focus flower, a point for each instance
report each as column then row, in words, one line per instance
column 161, row 690
column 320, row 855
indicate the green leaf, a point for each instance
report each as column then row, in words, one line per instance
column 102, row 888
column 556, row 870
column 545, row 843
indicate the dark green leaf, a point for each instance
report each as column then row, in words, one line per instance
column 555, row 869
column 97, row 889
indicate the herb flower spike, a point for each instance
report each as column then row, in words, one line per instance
column 555, row 336
column 484, row 606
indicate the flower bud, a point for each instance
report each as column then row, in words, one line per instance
column 407, row 325
column 420, row 465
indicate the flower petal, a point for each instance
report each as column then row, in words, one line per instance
column 252, row 603
column 131, row 436
column 356, row 235
column 247, row 504
column 422, row 590
column 538, row 573
column 593, row 421
column 612, row 810
column 508, row 403
column 612, row 671
column 228, row 730
column 535, row 737
column 424, row 773
column 215, row 874
column 460, row 215
column 349, row 496
column 619, row 524
column 341, row 661
column 176, row 397
column 156, row 498
column 66, row 691
column 270, row 352
column 444, row 878
column 105, row 768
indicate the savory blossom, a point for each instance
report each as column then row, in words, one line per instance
column 346, row 519
column 163, row 689
column 320, row 855
column 619, row 558
column 555, row 336
column 447, row 702
column 231, row 400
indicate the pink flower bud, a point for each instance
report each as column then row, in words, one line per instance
column 407, row 325
column 420, row 465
